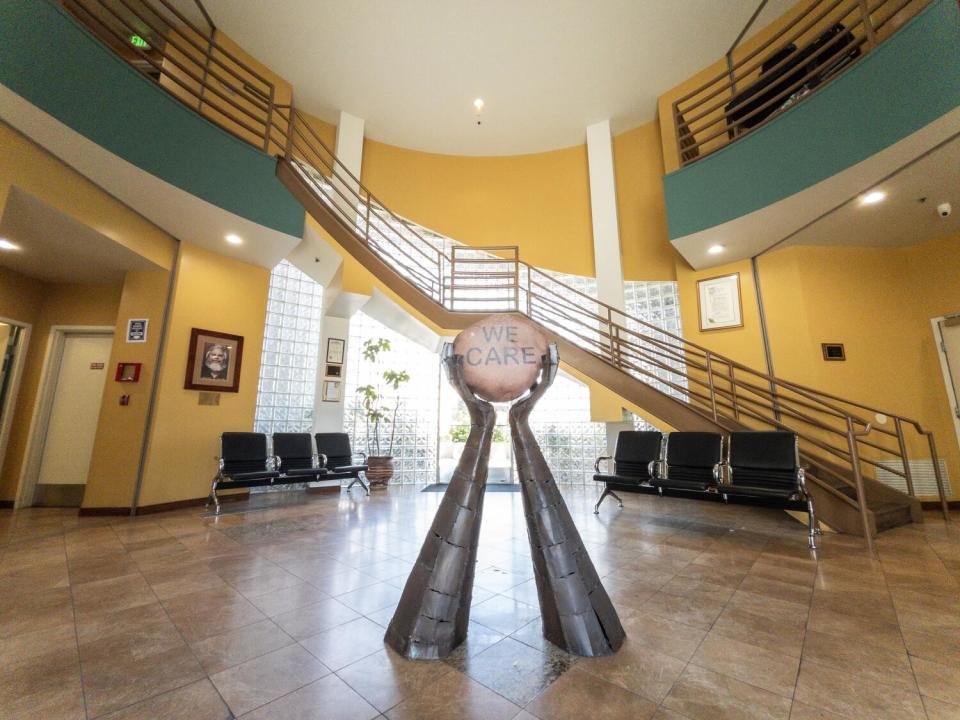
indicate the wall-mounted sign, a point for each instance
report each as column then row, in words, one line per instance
column 137, row 330
column 333, row 371
column 833, row 351
column 96, row 366
column 719, row 301
column 335, row 350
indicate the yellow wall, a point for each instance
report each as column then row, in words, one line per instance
column 645, row 249
column 540, row 202
column 212, row 292
column 878, row 302
column 116, row 449
column 58, row 304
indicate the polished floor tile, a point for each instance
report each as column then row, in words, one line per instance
column 580, row 695
column 280, row 612
column 266, row 678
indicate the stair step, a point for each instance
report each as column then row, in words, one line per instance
column 891, row 515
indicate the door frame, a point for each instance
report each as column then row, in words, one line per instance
column 40, row 420
column 16, row 375
column 945, row 368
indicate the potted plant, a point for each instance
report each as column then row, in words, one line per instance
column 378, row 413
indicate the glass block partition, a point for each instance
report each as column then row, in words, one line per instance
column 291, row 342
column 415, row 442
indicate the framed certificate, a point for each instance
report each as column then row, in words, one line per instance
column 718, row 299
column 335, row 350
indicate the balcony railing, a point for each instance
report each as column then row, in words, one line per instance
column 819, row 43
column 842, row 439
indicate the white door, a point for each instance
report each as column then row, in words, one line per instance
column 75, row 410
column 947, row 331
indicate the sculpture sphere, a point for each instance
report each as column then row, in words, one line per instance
column 502, row 356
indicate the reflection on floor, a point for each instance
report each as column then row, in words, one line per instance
column 280, row 613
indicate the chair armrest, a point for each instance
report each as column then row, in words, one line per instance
column 361, row 454
column 718, row 472
column 596, row 465
column 653, row 468
column 321, row 460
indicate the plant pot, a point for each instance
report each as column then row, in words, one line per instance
column 379, row 469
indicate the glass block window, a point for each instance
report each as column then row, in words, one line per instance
column 291, row 342
column 415, row 440
column 570, row 442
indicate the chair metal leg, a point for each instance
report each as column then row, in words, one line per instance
column 359, row 479
column 606, row 491
column 660, row 490
column 213, row 496
column 814, row 528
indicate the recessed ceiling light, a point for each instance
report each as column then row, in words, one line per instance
column 715, row 249
column 872, row 198
column 7, row 245
column 478, row 104
column 234, row 239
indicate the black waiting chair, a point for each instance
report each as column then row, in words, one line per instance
column 340, row 459
column 635, row 461
column 296, row 459
column 243, row 463
column 693, row 462
column 767, row 465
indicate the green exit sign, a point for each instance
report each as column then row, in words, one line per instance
column 139, row 42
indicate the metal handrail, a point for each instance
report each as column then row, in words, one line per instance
column 712, row 101
column 715, row 386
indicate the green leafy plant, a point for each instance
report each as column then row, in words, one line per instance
column 377, row 410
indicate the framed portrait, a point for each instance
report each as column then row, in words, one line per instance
column 718, row 299
column 335, row 350
column 213, row 361
column 333, row 371
column 332, row 390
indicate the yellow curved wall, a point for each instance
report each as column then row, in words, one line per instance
column 539, row 202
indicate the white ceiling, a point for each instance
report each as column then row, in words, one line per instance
column 55, row 248
column 907, row 216
column 545, row 68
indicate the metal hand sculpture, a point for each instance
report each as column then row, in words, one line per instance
column 431, row 619
column 576, row 611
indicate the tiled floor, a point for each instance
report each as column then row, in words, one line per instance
column 280, row 613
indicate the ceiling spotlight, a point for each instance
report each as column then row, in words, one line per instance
column 478, row 105
column 715, row 249
column 872, row 198
column 7, row 245
column 234, row 239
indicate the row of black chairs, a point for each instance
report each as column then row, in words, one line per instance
column 757, row 465
column 246, row 462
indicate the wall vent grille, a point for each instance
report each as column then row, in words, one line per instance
column 924, row 479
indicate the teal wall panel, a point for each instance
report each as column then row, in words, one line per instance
column 50, row 60
column 905, row 83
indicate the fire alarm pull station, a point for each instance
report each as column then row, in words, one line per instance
column 128, row 372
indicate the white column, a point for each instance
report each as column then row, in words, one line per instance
column 603, row 206
column 349, row 151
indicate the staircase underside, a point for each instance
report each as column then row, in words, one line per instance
column 834, row 500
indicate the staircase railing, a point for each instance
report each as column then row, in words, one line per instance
column 837, row 438
column 820, row 42
column 836, row 434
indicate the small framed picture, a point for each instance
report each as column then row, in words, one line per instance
column 335, row 350
column 332, row 390
column 718, row 299
column 333, row 371
column 213, row 361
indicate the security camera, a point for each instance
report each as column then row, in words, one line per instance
column 944, row 209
